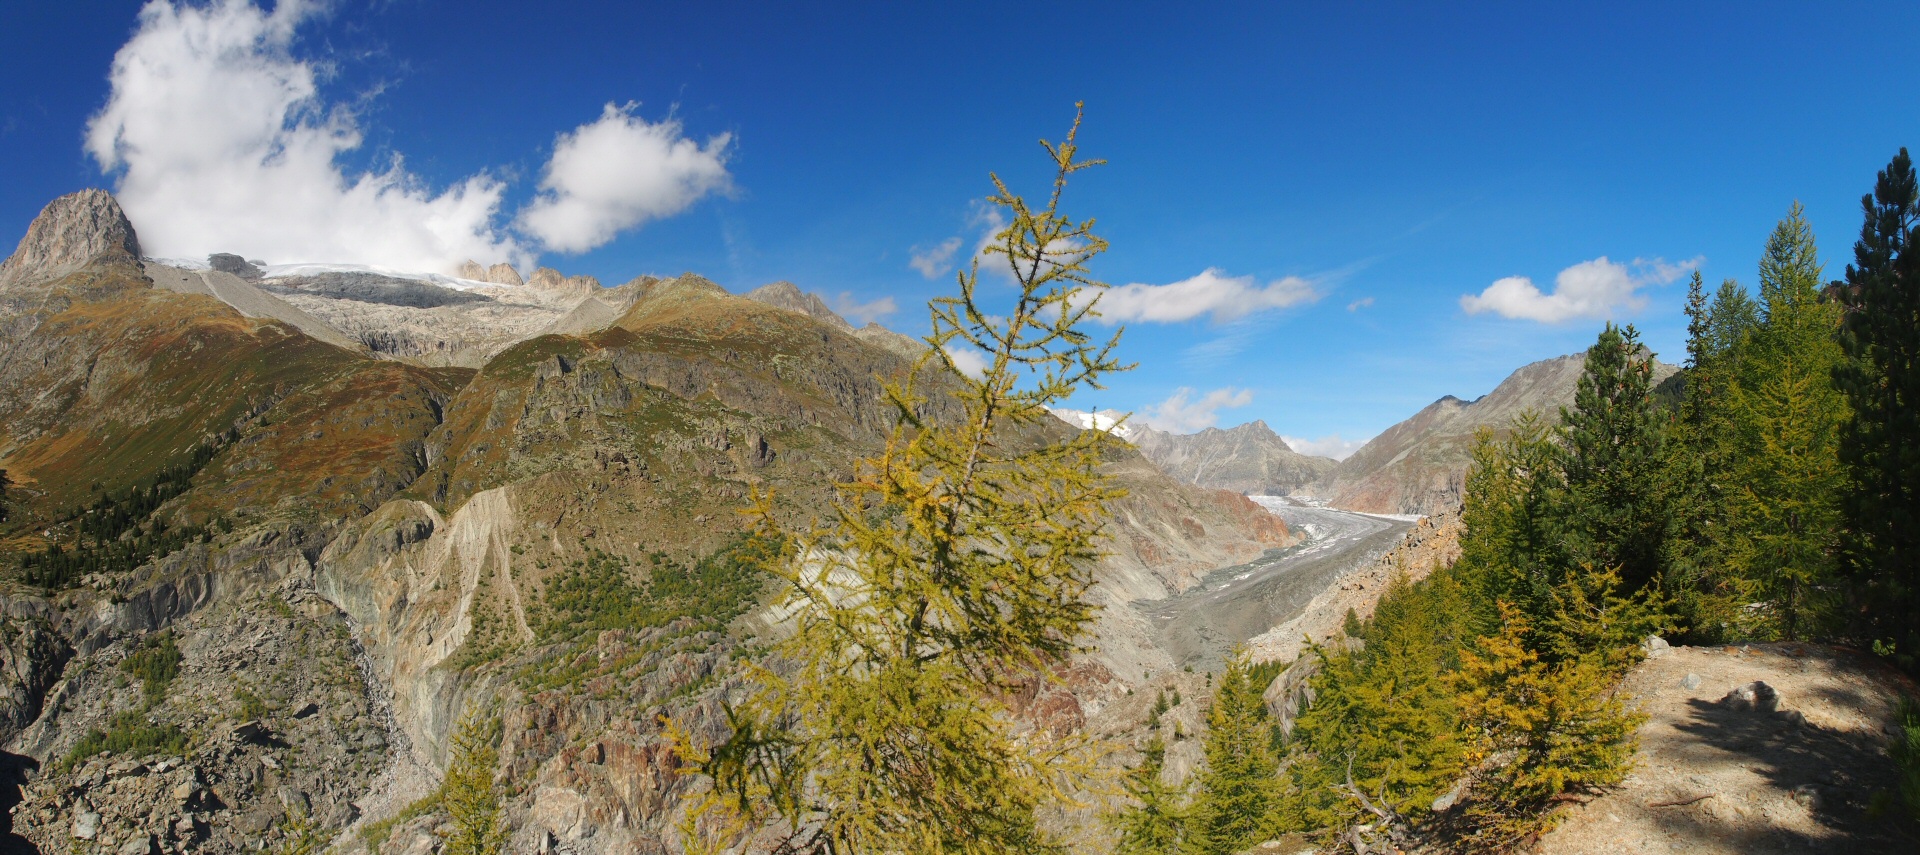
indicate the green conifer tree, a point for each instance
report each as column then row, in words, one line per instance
column 1880, row 443
column 1240, row 786
column 953, row 571
column 1615, row 509
column 1546, row 729
column 468, row 794
column 1384, row 712
column 1786, row 414
column 1512, row 549
column 1156, row 824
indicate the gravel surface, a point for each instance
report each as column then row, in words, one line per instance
column 1201, row 625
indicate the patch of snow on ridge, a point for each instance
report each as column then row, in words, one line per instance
column 181, row 263
column 279, row 271
column 1106, row 420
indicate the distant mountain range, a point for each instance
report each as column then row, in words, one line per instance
column 1418, row 466
column 1250, row 459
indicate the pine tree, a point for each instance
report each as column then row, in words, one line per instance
column 1239, row 788
column 1156, row 824
column 1614, row 513
column 1786, row 414
column 1545, row 729
column 1512, row 549
column 1384, row 712
column 952, row 572
column 1880, row 444
column 5, row 482
column 468, row 794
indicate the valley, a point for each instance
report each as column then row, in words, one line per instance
column 1201, row 626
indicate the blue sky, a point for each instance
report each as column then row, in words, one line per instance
column 1347, row 174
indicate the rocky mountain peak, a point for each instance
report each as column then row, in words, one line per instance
column 471, row 269
column 786, row 295
column 503, row 274
column 70, row 232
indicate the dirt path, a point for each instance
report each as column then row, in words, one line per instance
column 1233, row 604
column 1713, row 778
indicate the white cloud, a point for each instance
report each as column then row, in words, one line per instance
column 862, row 313
column 967, row 359
column 935, row 261
column 1359, row 304
column 617, row 173
column 223, row 143
column 1330, row 445
column 1594, row 289
column 1224, row 298
column 1182, row 413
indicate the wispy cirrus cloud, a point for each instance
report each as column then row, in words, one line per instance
column 1595, row 290
column 1331, row 445
column 1188, row 410
column 934, row 261
column 859, row 313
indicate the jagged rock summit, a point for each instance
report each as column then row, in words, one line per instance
column 786, row 295
column 1250, row 459
column 69, row 233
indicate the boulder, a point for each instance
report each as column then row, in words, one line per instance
column 230, row 263
column 1756, row 696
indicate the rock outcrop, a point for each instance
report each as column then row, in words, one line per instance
column 504, row 274
column 69, row 233
column 786, row 295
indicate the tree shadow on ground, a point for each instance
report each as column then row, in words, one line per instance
column 1837, row 771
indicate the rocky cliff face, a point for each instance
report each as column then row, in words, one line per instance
column 377, row 546
column 1419, row 466
column 1249, row 459
column 71, row 232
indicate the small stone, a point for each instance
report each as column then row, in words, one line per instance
column 86, row 825
column 307, row 711
column 183, row 792
column 1691, row 681
column 1807, row 796
column 268, row 761
column 139, row 844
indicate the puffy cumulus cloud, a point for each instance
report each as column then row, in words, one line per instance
column 1593, row 290
column 1212, row 293
column 935, row 261
column 617, row 173
column 1183, row 412
column 1331, row 445
column 862, row 313
column 222, row 142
